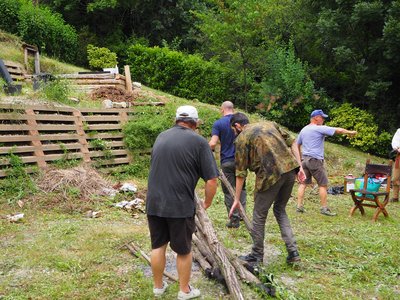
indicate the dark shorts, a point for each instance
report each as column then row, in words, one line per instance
column 314, row 167
column 177, row 231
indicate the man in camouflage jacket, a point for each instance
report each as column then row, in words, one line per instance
column 271, row 152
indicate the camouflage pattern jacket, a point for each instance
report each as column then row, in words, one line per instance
column 264, row 148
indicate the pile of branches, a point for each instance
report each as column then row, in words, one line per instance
column 218, row 262
column 84, row 179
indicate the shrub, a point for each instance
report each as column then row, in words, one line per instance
column 100, row 57
column 141, row 132
column 368, row 138
column 46, row 29
column 9, row 10
column 287, row 93
column 184, row 75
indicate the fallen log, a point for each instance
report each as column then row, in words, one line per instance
column 231, row 190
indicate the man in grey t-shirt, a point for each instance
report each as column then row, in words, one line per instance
column 311, row 146
column 180, row 157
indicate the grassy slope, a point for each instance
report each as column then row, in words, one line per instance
column 53, row 254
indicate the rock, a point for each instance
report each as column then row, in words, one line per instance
column 119, row 104
column 136, row 85
column 107, row 103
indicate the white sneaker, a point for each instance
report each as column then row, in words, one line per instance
column 194, row 293
column 159, row 292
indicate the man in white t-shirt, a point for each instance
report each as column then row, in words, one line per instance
column 396, row 168
column 311, row 146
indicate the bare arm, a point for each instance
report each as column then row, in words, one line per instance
column 209, row 192
column 301, row 176
column 339, row 130
column 213, row 142
column 238, row 191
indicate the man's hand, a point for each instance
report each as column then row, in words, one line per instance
column 235, row 205
column 301, row 175
column 352, row 133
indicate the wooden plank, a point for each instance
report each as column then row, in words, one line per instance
column 93, row 86
column 101, row 153
column 87, row 76
column 104, row 127
column 115, row 161
column 98, row 118
column 52, row 108
column 110, row 144
column 128, row 80
column 42, row 137
column 97, row 81
column 39, row 127
column 38, row 117
column 12, row 64
column 45, row 147
column 47, row 157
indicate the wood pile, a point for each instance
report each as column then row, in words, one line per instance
column 217, row 261
column 89, row 82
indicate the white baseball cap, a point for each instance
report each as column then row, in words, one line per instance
column 187, row 111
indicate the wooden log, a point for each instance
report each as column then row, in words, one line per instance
column 135, row 249
column 204, row 264
column 200, row 243
column 242, row 212
column 223, row 262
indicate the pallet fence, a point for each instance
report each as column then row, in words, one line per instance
column 40, row 135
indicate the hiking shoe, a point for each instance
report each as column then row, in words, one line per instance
column 158, row 292
column 250, row 258
column 194, row 293
column 293, row 257
column 300, row 209
column 233, row 223
column 327, row 212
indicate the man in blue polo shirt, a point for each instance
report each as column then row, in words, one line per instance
column 311, row 146
column 222, row 131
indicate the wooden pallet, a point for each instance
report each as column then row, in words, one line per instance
column 16, row 70
column 41, row 135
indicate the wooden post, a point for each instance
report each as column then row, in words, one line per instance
column 36, row 142
column 128, row 79
column 82, row 136
column 37, row 62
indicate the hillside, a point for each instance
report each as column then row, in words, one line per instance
column 59, row 250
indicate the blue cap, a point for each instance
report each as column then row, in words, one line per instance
column 318, row 112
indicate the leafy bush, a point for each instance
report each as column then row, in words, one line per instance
column 287, row 92
column 184, row 75
column 9, row 10
column 101, row 57
column 141, row 132
column 368, row 138
column 46, row 29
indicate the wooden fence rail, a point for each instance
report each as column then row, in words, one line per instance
column 40, row 135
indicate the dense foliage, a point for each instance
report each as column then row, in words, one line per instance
column 41, row 27
column 142, row 131
column 181, row 74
